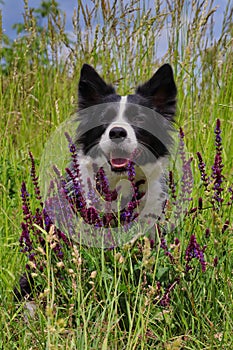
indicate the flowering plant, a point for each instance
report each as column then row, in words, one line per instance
column 45, row 245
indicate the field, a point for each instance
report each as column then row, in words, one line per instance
column 178, row 295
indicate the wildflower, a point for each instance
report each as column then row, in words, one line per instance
column 193, row 251
column 171, row 185
column 202, row 168
column 102, row 186
column 34, row 178
column 215, row 261
column 181, row 146
column 218, row 139
column 92, row 217
column 164, row 246
column 200, row 203
column 74, row 156
column 230, row 190
column 218, row 166
column 186, row 181
column 218, row 178
column 25, row 205
column 225, row 226
column 207, row 233
column 165, row 300
column 25, row 240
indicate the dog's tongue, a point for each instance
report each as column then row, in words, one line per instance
column 119, row 162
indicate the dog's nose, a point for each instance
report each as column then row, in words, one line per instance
column 117, row 134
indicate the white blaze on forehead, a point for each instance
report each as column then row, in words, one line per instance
column 129, row 144
column 123, row 102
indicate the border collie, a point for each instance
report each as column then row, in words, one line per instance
column 115, row 130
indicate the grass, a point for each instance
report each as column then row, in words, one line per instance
column 133, row 297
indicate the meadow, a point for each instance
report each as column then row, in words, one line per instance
column 178, row 295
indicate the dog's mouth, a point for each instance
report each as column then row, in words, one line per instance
column 119, row 164
column 119, row 161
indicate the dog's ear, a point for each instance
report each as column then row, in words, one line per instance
column 161, row 91
column 92, row 88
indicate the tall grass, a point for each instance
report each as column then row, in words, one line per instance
column 117, row 299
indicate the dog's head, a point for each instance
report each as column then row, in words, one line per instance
column 124, row 128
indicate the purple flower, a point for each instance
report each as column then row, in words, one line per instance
column 172, row 186
column 186, row 181
column 102, row 186
column 193, row 251
column 218, row 139
column 218, row 178
column 225, row 226
column 24, row 240
column 215, row 261
column 92, row 217
column 230, row 190
column 202, row 168
column 74, row 192
column 207, row 233
column 165, row 300
column 217, row 168
column 200, row 203
column 34, row 178
column 164, row 246
column 181, row 146
column 75, row 161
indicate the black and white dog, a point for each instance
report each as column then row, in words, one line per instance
column 115, row 130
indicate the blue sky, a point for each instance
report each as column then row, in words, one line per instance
column 12, row 13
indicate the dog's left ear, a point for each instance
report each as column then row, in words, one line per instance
column 92, row 88
column 161, row 91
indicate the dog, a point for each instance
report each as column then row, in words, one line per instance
column 115, row 131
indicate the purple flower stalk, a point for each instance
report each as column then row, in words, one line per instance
column 225, row 226
column 181, row 146
column 26, row 206
column 185, row 193
column 164, row 246
column 34, row 178
column 187, row 181
column 218, row 178
column 218, row 165
column 102, row 186
column 31, row 237
column 172, row 186
column 202, row 168
column 193, row 251
column 200, row 203
column 230, row 190
column 218, row 139
column 165, row 300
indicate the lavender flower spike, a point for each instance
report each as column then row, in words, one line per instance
column 194, row 251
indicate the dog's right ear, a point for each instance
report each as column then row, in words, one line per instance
column 92, row 88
